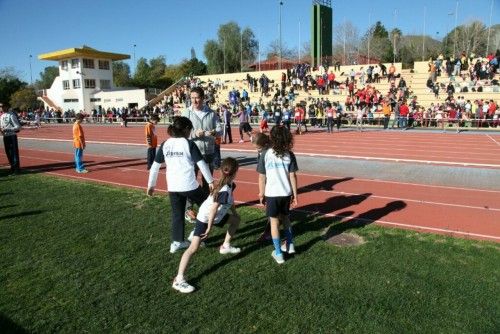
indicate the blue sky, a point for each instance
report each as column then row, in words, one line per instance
column 172, row 27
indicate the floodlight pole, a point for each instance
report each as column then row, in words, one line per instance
column 281, row 51
column 455, row 37
column 423, row 36
column 31, row 72
column 489, row 29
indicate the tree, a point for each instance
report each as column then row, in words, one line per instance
column 9, row 84
column 470, row 38
column 142, row 73
column 24, row 98
column 376, row 43
column 121, row 74
column 47, row 77
column 346, row 43
column 193, row 67
column 286, row 53
column 233, row 50
column 151, row 74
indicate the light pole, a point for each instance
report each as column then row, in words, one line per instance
column 224, row 54
column 31, row 72
column 423, row 36
column 241, row 52
column 489, row 29
column 369, row 34
column 281, row 55
column 135, row 64
column 455, row 36
column 299, row 43
column 394, row 38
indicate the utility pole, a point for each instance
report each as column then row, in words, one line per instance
column 281, row 51
column 423, row 36
column 455, row 37
column 489, row 29
column 31, row 72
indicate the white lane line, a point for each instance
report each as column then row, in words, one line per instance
column 354, row 157
column 301, row 173
column 382, row 222
column 335, row 192
column 493, row 140
column 323, row 155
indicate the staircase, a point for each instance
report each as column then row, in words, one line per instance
column 164, row 93
column 49, row 102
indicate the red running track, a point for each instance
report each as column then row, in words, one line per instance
column 474, row 150
column 468, row 213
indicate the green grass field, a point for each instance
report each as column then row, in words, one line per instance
column 79, row 257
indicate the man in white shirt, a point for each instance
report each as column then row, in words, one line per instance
column 9, row 127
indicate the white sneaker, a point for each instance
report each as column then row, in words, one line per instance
column 290, row 250
column 241, row 141
column 183, row 286
column 176, row 245
column 278, row 258
column 229, row 250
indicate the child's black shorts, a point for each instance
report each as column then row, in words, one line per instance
column 276, row 206
column 201, row 227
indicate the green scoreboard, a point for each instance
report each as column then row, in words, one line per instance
column 321, row 32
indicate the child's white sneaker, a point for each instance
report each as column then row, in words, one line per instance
column 182, row 286
column 229, row 250
column 290, row 250
column 176, row 245
column 278, row 258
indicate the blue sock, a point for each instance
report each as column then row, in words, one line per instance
column 289, row 236
column 277, row 246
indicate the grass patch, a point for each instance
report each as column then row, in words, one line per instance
column 81, row 257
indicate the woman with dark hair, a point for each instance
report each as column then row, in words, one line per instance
column 181, row 156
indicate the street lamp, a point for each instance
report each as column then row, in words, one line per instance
column 281, row 55
column 135, row 64
column 31, row 72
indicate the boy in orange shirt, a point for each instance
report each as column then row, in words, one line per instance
column 151, row 139
column 79, row 143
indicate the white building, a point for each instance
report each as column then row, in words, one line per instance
column 85, row 82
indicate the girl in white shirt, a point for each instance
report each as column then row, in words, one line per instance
column 180, row 155
column 214, row 211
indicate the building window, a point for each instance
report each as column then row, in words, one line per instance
column 103, row 64
column 95, row 99
column 107, row 100
column 65, row 84
column 105, row 84
column 119, row 100
column 88, row 63
column 76, row 83
column 89, row 83
column 75, row 63
column 70, row 100
column 64, row 64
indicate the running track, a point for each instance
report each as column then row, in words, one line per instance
column 469, row 213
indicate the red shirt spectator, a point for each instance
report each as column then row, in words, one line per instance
column 404, row 110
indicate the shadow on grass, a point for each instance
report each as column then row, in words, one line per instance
column 8, row 326
column 7, row 206
column 21, row 214
column 6, row 193
column 70, row 165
